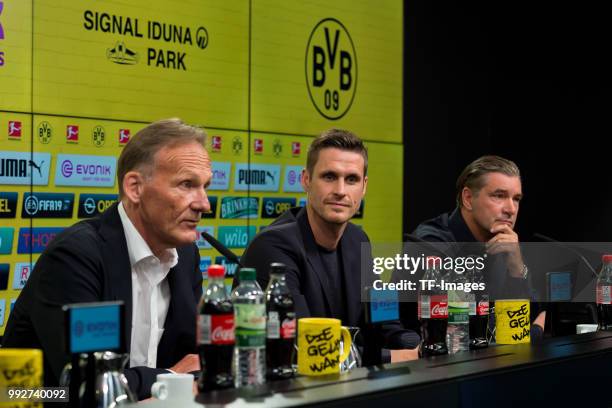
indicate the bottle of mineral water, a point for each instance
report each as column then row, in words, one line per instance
column 250, row 321
column 457, row 333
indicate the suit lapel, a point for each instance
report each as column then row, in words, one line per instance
column 117, row 264
column 314, row 260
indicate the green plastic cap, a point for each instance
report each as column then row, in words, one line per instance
column 247, row 274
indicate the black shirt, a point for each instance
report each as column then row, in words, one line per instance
column 333, row 269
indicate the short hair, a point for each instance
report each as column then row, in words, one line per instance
column 139, row 153
column 473, row 176
column 338, row 139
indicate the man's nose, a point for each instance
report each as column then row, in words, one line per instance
column 511, row 207
column 200, row 202
column 340, row 187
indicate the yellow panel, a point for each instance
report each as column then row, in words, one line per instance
column 288, row 92
column 143, row 60
column 384, row 196
column 15, row 55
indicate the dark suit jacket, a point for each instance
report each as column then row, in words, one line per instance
column 89, row 262
column 289, row 240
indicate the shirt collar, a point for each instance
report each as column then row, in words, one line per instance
column 459, row 228
column 138, row 249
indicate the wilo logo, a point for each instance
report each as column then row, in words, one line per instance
column 236, row 237
column 331, row 68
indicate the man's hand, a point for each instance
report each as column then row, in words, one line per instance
column 506, row 240
column 398, row 356
column 191, row 362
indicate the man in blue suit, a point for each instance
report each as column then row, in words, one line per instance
column 319, row 245
column 140, row 251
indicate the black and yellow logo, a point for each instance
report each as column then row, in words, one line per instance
column 99, row 136
column 44, row 131
column 331, row 68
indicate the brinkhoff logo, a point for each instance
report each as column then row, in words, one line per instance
column 239, row 207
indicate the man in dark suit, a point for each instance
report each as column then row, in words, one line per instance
column 140, row 251
column 489, row 192
column 319, row 245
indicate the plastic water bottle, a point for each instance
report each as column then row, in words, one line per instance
column 457, row 333
column 250, row 320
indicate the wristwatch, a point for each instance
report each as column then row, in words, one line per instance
column 525, row 271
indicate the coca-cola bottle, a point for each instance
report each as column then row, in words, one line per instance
column 604, row 295
column 479, row 311
column 280, row 331
column 433, row 309
column 215, row 333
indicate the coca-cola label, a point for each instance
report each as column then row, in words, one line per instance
column 482, row 308
column 604, row 294
column 433, row 307
column 287, row 330
column 216, row 329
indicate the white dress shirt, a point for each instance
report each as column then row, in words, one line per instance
column 150, row 294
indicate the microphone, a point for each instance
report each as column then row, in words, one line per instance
column 232, row 257
column 571, row 249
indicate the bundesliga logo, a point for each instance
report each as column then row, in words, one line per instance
column 14, row 129
column 216, row 143
column 72, row 133
column 296, row 148
column 258, row 145
column 124, row 136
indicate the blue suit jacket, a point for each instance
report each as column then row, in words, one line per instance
column 89, row 262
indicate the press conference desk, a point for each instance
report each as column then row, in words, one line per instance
column 566, row 371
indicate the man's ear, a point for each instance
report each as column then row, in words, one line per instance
column 305, row 180
column 133, row 183
column 466, row 198
column 365, row 185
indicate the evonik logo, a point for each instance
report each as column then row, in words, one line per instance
column 82, row 170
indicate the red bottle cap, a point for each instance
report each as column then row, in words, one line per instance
column 607, row 258
column 216, row 271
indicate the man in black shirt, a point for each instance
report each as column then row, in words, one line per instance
column 319, row 245
column 489, row 193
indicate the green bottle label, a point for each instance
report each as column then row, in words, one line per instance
column 250, row 325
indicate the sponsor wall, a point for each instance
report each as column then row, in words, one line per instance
column 79, row 78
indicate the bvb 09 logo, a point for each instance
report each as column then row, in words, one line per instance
column 98, row 136
column 331, row 68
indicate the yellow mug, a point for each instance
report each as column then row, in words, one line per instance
column 319, row 351
column 512, row 325
column 20, row 368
